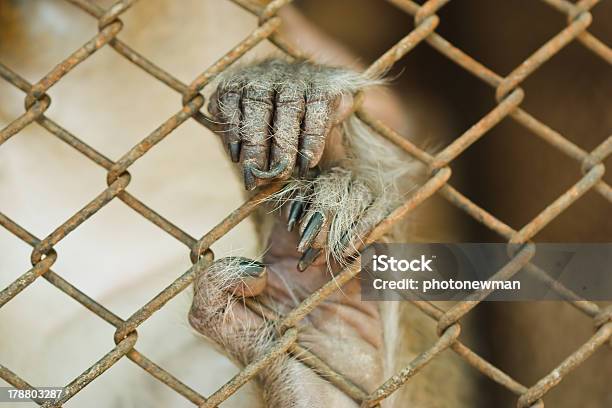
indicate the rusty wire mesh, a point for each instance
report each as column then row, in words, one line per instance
column 509, row 96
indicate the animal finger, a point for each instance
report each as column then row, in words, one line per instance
column 225, row 107
column 257, row 109
column 315, row 127
column 288, row 115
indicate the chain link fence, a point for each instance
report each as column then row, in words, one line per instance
column 509, row 96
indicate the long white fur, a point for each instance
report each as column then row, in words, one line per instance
column 245, row 339
column 358, row 192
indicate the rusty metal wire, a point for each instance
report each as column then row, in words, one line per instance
column 509, row 96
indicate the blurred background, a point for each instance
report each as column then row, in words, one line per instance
column 510, row 172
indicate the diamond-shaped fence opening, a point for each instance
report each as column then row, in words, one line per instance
column 509, row 96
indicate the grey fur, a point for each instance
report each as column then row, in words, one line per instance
column 242, row 335
column 277, row 114
column 353, row 194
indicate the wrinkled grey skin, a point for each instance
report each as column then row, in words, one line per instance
column 277, row 114
column 359, row 180
column 344, row 331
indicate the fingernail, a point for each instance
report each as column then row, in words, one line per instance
column 303, row 165
column 308, row 258
column 250, row 266
column 249, row 178
column 311, row 231
column 253, row 277
column 234, row 149
column 295, row 212
column 344, row 244
column 345, row 238
column 273, row 172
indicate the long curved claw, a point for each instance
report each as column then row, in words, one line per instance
column 272, row 173
column 303, row 165
column 234, row 150
column 295, row 213
column 343, row 243
column 249, row 178
column 308, row 258
column 311, row 231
